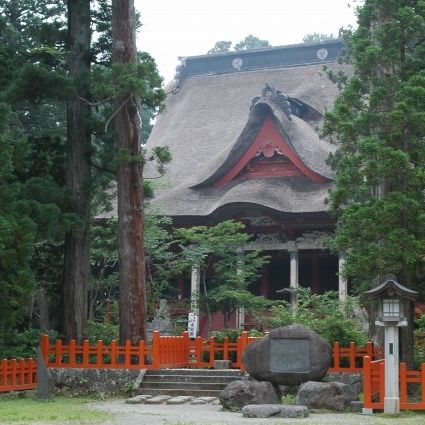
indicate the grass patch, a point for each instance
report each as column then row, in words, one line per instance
column 58, row 409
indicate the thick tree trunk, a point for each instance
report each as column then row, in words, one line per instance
column 78, row 179
column 130, row 193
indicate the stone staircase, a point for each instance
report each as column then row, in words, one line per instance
column 187, row 382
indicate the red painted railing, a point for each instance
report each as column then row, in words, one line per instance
column 350, row 359
column 374, row 385
column 18, row 375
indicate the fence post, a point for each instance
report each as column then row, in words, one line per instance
column 198, row 350
column 156, row 349
column 403, row 383
column 21, row 369
column 45, row 345
column 367, row 382
column 369, row 350
column 336, row 357
column 31, row 371
column 4, row 367
column 243, row 344
column 12, row 372
column 226, row 348
column 352, row 354
column 86, row 347
column 423, row 382
column 58, row 352
column 114, row 353
column 212, row 351
column 141, row 353
column 127, row 353
column 186, row 348
column 99, row 353
column 72, row 351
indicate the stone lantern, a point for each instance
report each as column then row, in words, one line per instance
column 393, row 299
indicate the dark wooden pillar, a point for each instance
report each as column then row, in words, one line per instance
column 315, row 273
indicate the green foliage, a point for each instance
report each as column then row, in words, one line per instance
column 334, row 320
column 221, row 248
column 252, row 42
column 220, row 47
column 315, row 36
column 378, row 123
column 248, row 43
column 232, row 334
column 288, row 399
column 102, row 331
column 140, row 79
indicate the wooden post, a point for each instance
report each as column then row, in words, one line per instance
column 127, row 353
column 403, row 383
column 86, row 348
column 198, row 350
column 58, row 353
column 12, row 372
column 99, row 353
column 4, row 368
column 45, row 345
column 336, row 357
column 141, row 352
column 186, row 348
column 423, row 382
column 156, row 346
column 114, row 353
column 212, row 351
column 367, row 382
column 352, row 354
column 72, row 350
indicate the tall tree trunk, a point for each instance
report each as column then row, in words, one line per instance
column 78, row 179
column 130, row 193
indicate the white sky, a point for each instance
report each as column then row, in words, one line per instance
column 173, row 28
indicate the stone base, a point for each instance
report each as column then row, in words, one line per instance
column 274, row 410
column 222, row 364
column 367, row 411
column 392, row 405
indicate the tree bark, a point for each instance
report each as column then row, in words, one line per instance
column 78, row 178
column 130, row 189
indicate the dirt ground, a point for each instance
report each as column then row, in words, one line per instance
column 143, row 414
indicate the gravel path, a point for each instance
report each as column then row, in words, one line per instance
column 143, row 414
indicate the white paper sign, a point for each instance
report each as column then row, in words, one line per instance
column 192, row 325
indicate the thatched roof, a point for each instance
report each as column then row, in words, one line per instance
column 210, row 120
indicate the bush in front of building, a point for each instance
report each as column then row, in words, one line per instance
column 333, row 319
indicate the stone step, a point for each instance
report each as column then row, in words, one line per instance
column 184, row 385
column 178, row 392
column 187, row 382
column 195, row 372
column 192, row 378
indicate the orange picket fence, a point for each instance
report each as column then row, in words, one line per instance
column 178, row 351
column 374, row 385
column 162, row 352
column 18, row 375
column 350, row 359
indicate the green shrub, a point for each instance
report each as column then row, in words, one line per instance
column 334, row 320
column 106, row 332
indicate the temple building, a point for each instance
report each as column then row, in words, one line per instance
column 242, row 128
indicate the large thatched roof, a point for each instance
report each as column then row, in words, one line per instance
column 213, row 113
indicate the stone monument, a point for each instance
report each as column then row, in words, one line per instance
column 289, row 356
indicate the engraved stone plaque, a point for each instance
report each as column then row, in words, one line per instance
column 289, row 355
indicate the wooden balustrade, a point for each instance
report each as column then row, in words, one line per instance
column 18, row 375
column 350, row 359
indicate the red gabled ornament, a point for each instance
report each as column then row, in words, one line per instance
column 270, row 155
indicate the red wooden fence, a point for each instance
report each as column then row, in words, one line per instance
column 162, row 352
column 374, row 385
column 18, row 375
column 350, row 359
